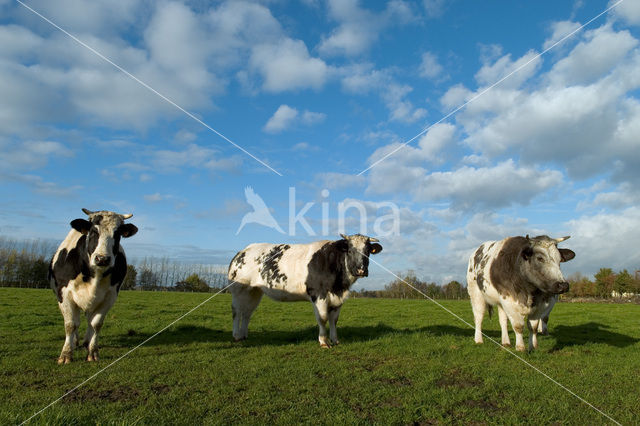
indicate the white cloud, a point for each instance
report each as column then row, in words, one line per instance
column 430, row 67
column 363, row 79
column 281, row 119
column 193, row 156
column 628, row 11
column 490, row 187
column 41, row 186
column 559, row 30
column 30, row 155
column 434, row 8
column 287, row 65
column 518, row 71
column 285, row 116
column 310, row 117
column 154, row 198
column 607, row 240
column 592, row 58
column 408, row 164
column 359, row 28
column 332, row 180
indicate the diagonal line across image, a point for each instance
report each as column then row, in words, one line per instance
column 146, row 86
column 487, row 89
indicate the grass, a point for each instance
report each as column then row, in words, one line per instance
column 399, row 362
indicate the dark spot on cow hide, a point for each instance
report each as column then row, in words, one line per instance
column 326, row 272
column 504, row 274
column 270, row 268
column 480, row 279
column 478, row 256
column 69, row 265
column 119, row 271
column 237, row 263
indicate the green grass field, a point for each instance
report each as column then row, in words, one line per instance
column 399, row 362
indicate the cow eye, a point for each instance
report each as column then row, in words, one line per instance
column 540, row 259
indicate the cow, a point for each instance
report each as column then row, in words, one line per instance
column 85, row 274
column 522, row 277
column 321, row 272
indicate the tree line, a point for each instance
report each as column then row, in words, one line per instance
column 410, row 287
column 26, row 263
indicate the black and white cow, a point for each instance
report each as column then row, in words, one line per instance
column 321, row 272
column 86, row 273
column 522, row 277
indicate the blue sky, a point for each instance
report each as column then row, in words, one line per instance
column 320, row 91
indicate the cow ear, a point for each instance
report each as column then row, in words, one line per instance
column 527, row 252
column 566, row 254
column 128, row 230
column 375, row 248
column 81, row 225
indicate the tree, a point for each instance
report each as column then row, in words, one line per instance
column 148, row 279
column 623, row 283
column 453, row 290
column 604, row 282
column 193, row 283
column 130, row 279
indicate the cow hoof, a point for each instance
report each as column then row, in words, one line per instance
column 238, row 339
column 325, row 345
column 479, row 342
column 64, row 359
column 92, row 358
column 520, row 348
column 507, row 345
column 336, row 343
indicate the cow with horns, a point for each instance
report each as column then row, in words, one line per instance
column 522, row 277
column 321, row 272
column 85, row 274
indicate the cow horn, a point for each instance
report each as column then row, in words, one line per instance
column 561, row 239
column 374, row 240
column 87, row 211
column 344, row 236
column 127, row 216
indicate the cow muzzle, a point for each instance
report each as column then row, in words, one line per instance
column 102, row 260
column 561, row 287
column 360, row 272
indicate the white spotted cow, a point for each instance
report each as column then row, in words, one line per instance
column 86, row 273
column 321, row 272
column 522, row 277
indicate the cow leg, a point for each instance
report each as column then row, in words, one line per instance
column 504, row 326
column 321, row 309
column 533, row 333
column 90, row 331
column 334, row 312
column 543, row 326
column 94, row 325
column 478, row 306
column 71, row 314
column 244, row 301
column 517, row 322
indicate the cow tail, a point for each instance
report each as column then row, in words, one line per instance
column 490, row 309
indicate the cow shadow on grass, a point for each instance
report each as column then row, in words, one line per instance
column 590, row 332
column 188, row 334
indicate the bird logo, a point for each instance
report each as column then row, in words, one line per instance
column 260, row 213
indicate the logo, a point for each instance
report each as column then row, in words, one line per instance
column 384, row 217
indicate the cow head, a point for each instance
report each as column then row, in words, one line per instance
column 103, row 231
column 541, row 260
column 357, row 249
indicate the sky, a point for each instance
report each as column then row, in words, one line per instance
column 443, row 124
